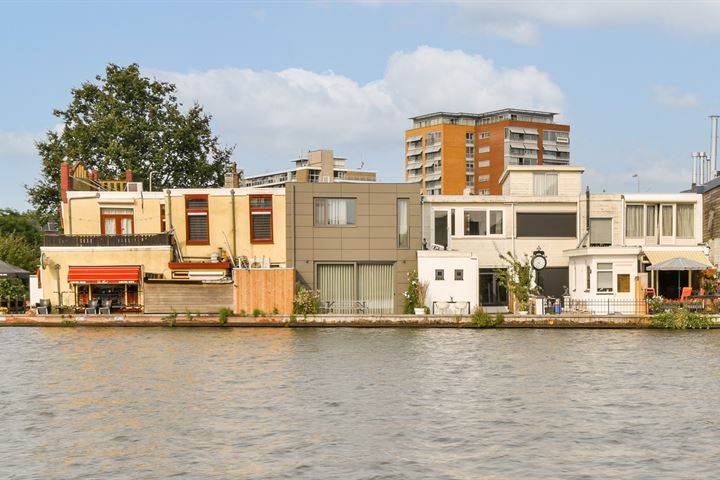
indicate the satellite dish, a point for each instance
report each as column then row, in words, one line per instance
column 43, row 260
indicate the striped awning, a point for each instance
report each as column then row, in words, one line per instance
column 657, row 256
column 96, row 275
column 415, row 138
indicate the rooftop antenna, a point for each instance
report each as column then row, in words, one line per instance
column 713, row 145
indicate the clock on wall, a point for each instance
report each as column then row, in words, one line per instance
column 538, row 261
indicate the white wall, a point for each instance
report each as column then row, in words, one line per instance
column 35, row 292
column 465, row 290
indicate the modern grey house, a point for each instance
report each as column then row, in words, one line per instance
column 354, row 242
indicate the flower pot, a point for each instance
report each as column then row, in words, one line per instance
column 419, row 310
column 523, row 312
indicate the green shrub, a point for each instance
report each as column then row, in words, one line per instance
column 681, row 319
column 223, row 315
column 275, row 311
column 242, row 312
column 258, row 313
column 483, row 319
column 171, row 318
column 415, row 293
column 499, row 318
column 305, row 302
column 69, row 323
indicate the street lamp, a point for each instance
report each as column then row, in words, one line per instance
column 635, row 175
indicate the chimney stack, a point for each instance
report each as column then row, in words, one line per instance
column 713, row 145
column 232, row 177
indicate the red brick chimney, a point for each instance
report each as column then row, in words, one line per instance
column 64, row 180
column 128, row 175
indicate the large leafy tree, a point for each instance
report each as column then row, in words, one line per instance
column 127, row 121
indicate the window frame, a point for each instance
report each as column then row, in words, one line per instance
column 404, row 204
column 333, row 225
column 118, row 217
column 604, row 269
column 198, row 212
column 488, row 224
column 261, row 211
column 439, row 275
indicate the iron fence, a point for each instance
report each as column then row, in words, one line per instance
column 139, row 240
column 649, row 306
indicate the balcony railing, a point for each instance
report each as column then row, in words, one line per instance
column 140, row 240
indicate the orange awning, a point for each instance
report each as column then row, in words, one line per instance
column 115, row 274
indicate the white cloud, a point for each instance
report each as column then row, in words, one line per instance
column 273, row 116
column 518, row 20
column 671, row 96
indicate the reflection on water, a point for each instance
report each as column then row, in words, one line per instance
column 358, row 403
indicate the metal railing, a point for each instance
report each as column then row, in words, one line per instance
column 612, row 306
column 139, row 240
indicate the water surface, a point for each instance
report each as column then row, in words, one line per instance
column 358, row 403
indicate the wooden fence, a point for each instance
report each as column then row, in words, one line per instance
column 265, row 289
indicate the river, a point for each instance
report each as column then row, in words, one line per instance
column 358, row 403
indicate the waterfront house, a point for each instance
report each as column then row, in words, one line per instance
column 354, row 242
column 158, row 251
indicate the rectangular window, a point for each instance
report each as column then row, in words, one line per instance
column 459, row 275
column 335, row 211
column 546, row 225
column 634, row 221
column 441, row 228
column 314, row 176
column 469, row 138
column 667, row 221
column 475, row 222
column 496, row 222
column 604, row 277
column 546, row 184
column 492, row 290
column 685, row 221
column 600, row 232
column 432, row 138
column 196, row 212
column 623, row 283
column 483, row 135
column 483, row 178
column 439, row 274
column 588, row 275
column 469, row 180
column 352, row 287
column 650, row 220
column 402, row 223
column 163, row 226
column 470, row 152
column 116, row 221
column 261, row 228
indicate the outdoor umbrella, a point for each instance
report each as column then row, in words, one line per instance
column 679, row 264
column 11, row 271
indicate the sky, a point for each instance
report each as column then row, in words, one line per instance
column 636, row 80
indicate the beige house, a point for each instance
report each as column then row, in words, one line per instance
column 355, row 243
column 129, row 248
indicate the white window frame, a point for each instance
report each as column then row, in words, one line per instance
column 487, row 222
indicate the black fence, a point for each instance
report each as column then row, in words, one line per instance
column 649, row 306
column 140, row 240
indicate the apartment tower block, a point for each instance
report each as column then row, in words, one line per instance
column 467, row 153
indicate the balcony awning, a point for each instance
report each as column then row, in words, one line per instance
column 111, row 275
column 659, row 256
column 516, row 130
column 434, row 149
column 415, row 138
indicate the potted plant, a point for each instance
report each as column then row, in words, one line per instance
column 517, row 279
column 415, row 295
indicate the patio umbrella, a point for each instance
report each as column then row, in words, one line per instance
column 11, row 271
column 679, row 264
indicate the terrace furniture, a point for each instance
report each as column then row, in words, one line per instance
column 92, row 307
column 105, row 307
column 44, row 306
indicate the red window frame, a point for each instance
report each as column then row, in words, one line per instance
column 196, row 210
column 118, row 217
column 263, row 210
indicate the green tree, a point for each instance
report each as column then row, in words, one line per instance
column 517, row 278
column 15, row 249
column 12, row 288
column 24, row 224
column 127, row 121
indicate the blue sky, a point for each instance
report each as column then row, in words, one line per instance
column 636, row 80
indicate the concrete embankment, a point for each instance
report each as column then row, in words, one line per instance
column 388, row 321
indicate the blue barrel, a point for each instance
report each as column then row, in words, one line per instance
column 558, row 308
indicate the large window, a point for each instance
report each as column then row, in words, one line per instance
column 667, row 221
column 685, row 221
column 196, row 211
column 634, row 221
column 335, row 211
column 116, row 221
column 600, row 232
column 604, row 277
column 546, row 225
column 261, row 230
column 402, row 223
column 546, row 184
column 492, row 291
column 354, row 287
column 483, row 222
column 440, row 228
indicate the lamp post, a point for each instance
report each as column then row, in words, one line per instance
column 635, row 175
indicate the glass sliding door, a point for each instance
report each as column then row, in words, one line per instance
column 356, row 288
column 375, row 287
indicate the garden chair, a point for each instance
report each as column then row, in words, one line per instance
column 92, row 307
column 106, row 305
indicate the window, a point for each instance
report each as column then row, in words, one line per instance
column 341, row 285
column 484, row 191
column 483, row 135
column 600, row 232
column 261, row 228
column 604, row 277
column 634, row 221
column 441, row 228
column 546, row 225
column 469, row 152
column 483, row 222
column 623, row 283
column 459, row 275
column 685, row 221
column 667, row 221
column 588, row 275
column 439, row 274
column 402, row 223
column 546, row 184
column 475, row 222
column 432, row 138
column 469, row 181
column 196, row 211
column 469, row 138
column 492, row 290
column 483, row 178
column 650, row 220
column 335, row 211
column 116, row 221
column 163, row 226
column 314, row 176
